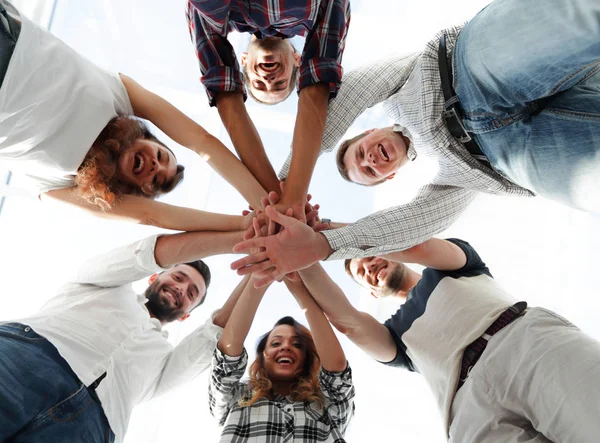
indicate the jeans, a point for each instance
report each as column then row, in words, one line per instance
column 41, row 399
column 527, row 73
column 9, row 33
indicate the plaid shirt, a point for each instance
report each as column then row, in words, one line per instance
column 323, row 22
column 279, row 419
column 411, row 92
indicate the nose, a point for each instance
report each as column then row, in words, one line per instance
column 268, row 77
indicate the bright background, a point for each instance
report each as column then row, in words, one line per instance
column 543, row 253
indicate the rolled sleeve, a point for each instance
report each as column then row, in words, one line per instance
column 338, row 388
column 324, row 47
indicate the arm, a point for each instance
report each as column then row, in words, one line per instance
column 188, row 133
column 193, row 354
column 245, row 138
column 145, row 211
column 434, row 253
column 362, row 329
column 362, row 89
column 395, row 229
column 328, row 346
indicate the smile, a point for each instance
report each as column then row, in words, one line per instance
column 138, row 164
column 285, row 361
column 384, row 154
column 269, row 68
column 172, row 295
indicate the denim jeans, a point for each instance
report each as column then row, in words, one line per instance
column 41, row 399
column 527, row 73
column 9, row 33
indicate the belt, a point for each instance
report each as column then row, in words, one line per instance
column 451, row 113
column 475, row 349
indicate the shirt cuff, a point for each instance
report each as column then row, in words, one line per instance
column 342, row 242
column 222, row 79
column 321, row 70
column 226, row 364
column 336, row 381
column 212, row 331
column 144, row 255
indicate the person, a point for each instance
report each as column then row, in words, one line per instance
column 529, row 102
column 75, row 371
column 67, row 125
column 499, row 371
column 300, row 385
column 271, row 66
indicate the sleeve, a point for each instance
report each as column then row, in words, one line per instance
column 216, row 57
column 324, row 46
column 338, row 389
column 474, row 265
column 121, row 265
column 190, row 357
column 362, row 89
column 401, row 360
column 225, row 389
column 434, row 209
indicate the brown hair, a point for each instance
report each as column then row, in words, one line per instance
column 347, row 267
column 307, row 387
column 97, row 181
column 341, row 153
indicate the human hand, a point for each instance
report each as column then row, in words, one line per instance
column 295, row 247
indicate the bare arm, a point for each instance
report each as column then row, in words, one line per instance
column 145, row 211
column 308, row 133
column 362, row 329
column 222, row 317
column 232, row 341
column 434, row 253
column 328, row 346
column 188, row 133
column 245, row 138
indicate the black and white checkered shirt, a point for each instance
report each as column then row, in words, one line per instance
column 279, row 419
column 411, row 92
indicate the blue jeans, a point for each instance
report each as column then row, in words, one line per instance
column 41, row 399
column 527, row 73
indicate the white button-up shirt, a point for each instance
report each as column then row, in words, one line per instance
column 99, row 324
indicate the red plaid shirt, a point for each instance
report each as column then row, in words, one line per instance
column 323, row 22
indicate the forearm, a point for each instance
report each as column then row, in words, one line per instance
column 245, row 139
column 222, row 317
column 306, row 144
column 328, row 346
column 188, row 246
column 236, row 330
column 434, row 253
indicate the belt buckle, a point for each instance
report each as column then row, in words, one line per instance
column 455, row 125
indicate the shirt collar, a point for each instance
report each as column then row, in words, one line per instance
column 411, row 152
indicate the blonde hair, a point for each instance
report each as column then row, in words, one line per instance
column 307, row 387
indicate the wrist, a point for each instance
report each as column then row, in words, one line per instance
column 323, row 249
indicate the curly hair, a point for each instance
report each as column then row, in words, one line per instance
column 97, row 180
column 307, row 387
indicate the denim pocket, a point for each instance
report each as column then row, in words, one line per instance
column 71, row 407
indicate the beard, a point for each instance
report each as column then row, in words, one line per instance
column 158, row 306
column 393, row 285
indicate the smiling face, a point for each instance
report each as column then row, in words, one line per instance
column 284, row 354
column 268, row 66
column 173, row 294
column 376, row 157
column 382, row 277
column 147, row 165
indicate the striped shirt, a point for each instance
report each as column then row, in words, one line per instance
column 411, row 92
column 324, row 23
column 279, row 419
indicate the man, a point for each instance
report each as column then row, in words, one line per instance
column 75, row 371
column 498, row 371
column 529, row 99
column 270, row 67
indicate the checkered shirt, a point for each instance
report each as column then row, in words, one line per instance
column 278, row 420
column 323, row 22
column 411, row 92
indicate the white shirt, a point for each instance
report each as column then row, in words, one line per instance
column 53, row 105
column 99, row 324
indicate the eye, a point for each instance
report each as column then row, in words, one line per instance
column 155, row 181
column 159, row 155
column 371, row 171
column 298, row 345
column 361, row 152
column 275, row 344
column 176, row 277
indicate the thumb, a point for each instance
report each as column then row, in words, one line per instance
column 277, row 217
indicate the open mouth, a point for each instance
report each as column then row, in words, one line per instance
column 172, row 296
column 285, row 361
column 379, row 274
column 269, row 67
column 384, row 154
column 138, row 164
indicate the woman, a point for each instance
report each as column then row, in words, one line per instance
column 300, row 385
column 67, row 125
